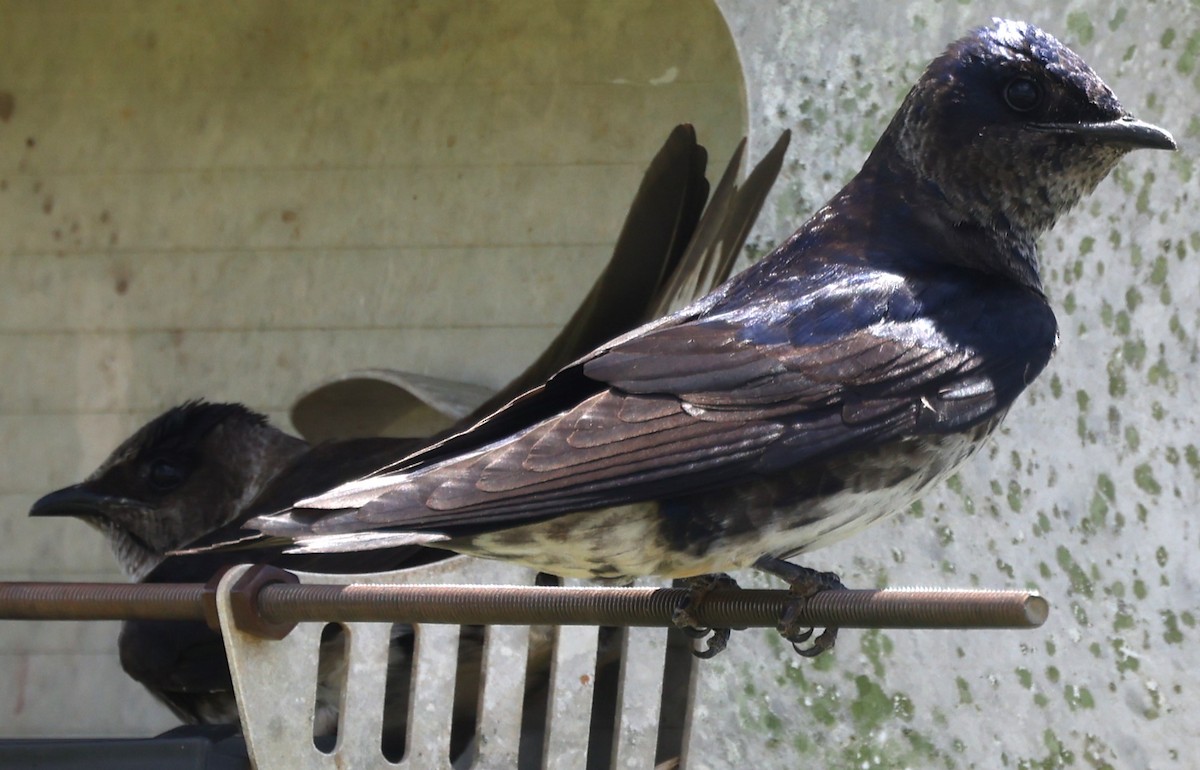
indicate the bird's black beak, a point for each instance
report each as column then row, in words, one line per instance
column 1128, row 131
column 79, row 501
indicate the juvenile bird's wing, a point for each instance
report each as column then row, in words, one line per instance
column 720, row 234
column 658, row 228
column 681, row 408
column 667, row 255
column 183, row 664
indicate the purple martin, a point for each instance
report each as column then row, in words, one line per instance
column 818, row 391
column 184, row 475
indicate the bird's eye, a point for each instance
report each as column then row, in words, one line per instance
column 165, row 475
column 1022, row 94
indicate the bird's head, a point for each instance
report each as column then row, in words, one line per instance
column 1012, row 128
column 180, row 476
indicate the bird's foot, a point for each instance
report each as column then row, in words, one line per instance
column 685, row 620
column 804, row 584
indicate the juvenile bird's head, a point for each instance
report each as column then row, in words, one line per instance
column 185, row 473
column 1011, row 128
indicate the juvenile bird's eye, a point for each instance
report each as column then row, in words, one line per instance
column 165, row 475
column 1022, row 94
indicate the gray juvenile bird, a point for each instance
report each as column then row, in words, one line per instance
column 823, row 388
column 189, row 473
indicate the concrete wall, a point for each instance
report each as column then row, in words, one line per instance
column 1087, row 494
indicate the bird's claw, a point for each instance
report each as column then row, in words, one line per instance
column 798, row 635
column 716, row 643
column 804, row 583
column 684, row 619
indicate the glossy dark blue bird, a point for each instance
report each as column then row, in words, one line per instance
column 823, row 388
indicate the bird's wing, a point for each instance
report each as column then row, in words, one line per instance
column 688, row 407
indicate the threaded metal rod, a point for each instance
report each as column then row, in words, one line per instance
column 101, row 601
column 730, row 608
column 531, row 605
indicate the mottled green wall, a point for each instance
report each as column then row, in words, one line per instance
column 1089, row 494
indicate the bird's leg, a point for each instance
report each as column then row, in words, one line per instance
column 685, row 621
column 805, row 583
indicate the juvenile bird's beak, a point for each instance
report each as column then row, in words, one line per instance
column 1127, row 131
column 78, row 500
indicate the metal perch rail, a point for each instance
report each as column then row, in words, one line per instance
column 276, row 682
column 269, row 602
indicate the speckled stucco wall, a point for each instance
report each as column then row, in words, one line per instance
column 1089, row 492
